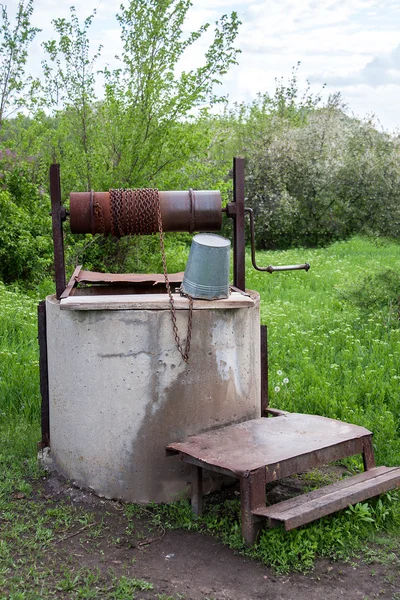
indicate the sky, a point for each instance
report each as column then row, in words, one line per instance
column 351, row 46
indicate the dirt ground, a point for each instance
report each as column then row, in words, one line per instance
column 192, row 566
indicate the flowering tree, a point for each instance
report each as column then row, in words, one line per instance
column 326, row 179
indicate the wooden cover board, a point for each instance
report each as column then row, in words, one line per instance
column 152, row 302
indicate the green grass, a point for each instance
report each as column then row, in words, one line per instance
column 335, row 338
column 334, row 341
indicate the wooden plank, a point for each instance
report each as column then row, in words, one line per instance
column 151, row 302
column 322, row 491
column 332, row 501
column 58, row 237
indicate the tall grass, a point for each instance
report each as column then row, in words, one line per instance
column 19, row 378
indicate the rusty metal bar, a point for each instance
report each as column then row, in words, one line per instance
column 270, row 268
column 72, row 282
column 58, row 239
column 305, row 462
column 239, row 276
column 197, row 489
column 368, row 454
column 264, row 370
column 252, row 496
column 44, row 375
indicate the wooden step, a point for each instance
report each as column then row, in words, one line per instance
column 326, row 500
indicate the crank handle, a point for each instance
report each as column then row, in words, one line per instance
column 270, row 268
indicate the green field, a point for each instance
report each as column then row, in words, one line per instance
column 334, row 334
column 334, row 342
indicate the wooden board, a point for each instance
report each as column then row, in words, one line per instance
column 152, row 302
column 308, row 507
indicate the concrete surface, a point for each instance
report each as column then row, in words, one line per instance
column 120, row 392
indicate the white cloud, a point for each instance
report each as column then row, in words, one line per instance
column 380, row 71
column 352, row 45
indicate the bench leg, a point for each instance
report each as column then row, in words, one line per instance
column 368, row 454
column 197, row 490
column 252, row 495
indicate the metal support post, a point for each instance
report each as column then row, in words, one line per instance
column 58, row 238
column 239, row 280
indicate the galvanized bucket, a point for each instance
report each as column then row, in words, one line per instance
column 207, row 271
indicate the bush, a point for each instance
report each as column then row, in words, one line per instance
column 25, row 225
column 322, row 179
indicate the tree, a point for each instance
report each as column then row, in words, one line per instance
column 143, row 130
column 146, row 101
column 69, row 89
column 141, row 127
column 14, row 45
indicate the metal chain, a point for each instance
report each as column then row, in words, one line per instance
column 114, row 213
column 139, row 212
column 129, row 204
column 98, row 218
column 183, row 353
column 119, row 212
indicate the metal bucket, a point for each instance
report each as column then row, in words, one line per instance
column 207, row 271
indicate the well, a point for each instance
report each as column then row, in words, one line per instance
column 119, row 392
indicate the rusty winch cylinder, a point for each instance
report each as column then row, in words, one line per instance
column 91, row 212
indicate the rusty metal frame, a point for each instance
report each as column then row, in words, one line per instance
column 264, row 369
column 73, row 282
column 44, row 375
column 58, row 215
column 108, row 281
column 255, row 465
column 239, row 273
column 252, row 483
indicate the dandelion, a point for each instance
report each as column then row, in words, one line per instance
column 277, row 388
column 286, row 380
column 279, row 372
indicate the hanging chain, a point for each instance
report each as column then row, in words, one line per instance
column 139, row 212
column 184, row 354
